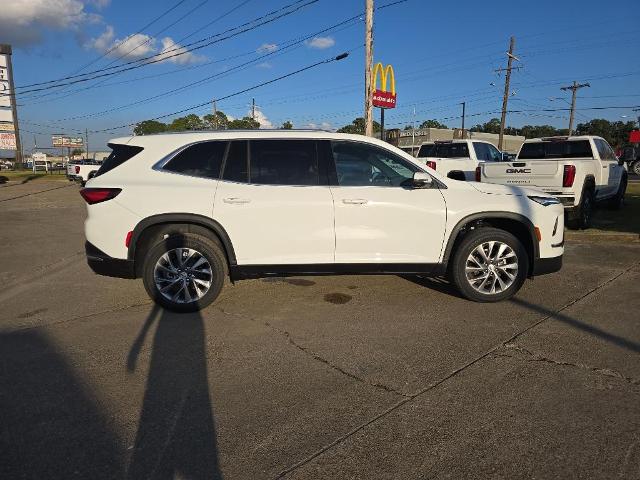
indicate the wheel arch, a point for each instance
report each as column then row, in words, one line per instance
column 518, row 225
column 147, row 229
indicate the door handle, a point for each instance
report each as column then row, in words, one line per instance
column 354, row 201
column 236, row 200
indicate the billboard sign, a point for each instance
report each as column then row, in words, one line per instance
column 7, row 141
column 60, row 141
column 383, row 97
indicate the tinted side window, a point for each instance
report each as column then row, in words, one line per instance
column 235, row 167
column 202, row 159
column 494, row 153
column 482, row 152
column 359, row 164
column 284, row 162
column 450, row 150
column 426, row 150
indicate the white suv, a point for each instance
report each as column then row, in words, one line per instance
column 185, row 210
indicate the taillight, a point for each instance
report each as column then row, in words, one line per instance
column 569, row 175
column 97, row 195
column 431, row 164
column 77, row 168
column 478, row 174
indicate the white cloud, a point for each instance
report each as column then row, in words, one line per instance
column 267, row 48
column 321, row 42
column 140, row 45
column 172, row 48
column 262, row 119
column 264, row 65
column 319, row 126
column 23, row 22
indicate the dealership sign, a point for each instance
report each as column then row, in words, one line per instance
column 7, row 141
column 63, row 141
column 383, row 97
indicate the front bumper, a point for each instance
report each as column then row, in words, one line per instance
column 547, row 265
column 103, row 264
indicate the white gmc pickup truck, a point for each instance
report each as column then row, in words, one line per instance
column 82, row 170
column 579, row 171
column 459, row 159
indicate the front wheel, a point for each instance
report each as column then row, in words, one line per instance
column 489, row 265
column 184, row 272
column 635, row 168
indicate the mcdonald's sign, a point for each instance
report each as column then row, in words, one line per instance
column 382, row 97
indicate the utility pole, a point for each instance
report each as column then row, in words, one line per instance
column 511, row 57
column 638, row 111
column 368, row 66
column 215, row 115
column 6, row 50
column 253, row 108
column 574, row 88
column 86, row 140
column 464, row 104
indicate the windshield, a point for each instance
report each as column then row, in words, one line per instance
column 556, row 149
column 449, row 150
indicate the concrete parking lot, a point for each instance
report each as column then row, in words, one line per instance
column 309, row 378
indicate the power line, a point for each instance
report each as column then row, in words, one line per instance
column 182, row 50
column 239, row 92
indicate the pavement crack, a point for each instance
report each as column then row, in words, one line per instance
column 607, row 372
column 332, row 365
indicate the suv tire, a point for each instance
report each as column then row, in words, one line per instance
column 635, row 167
column 503, row 267
column 581, row 219
column 184, row 272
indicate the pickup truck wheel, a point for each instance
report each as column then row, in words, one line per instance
column 617, row 201
column 581, row 219
column 184, row 272
column 489, row 265
column 635, row 168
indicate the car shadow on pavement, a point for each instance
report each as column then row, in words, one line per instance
column 439, row 284
column 51, row 423
column 604, row 335
column 176, row 435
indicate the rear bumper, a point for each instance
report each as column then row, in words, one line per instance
column 103, row 264
column 547, row 265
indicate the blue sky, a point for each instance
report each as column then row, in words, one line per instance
column 443, row 53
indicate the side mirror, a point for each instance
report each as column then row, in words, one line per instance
column 421, row 180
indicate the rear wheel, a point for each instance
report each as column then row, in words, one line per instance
column 489, row 265
column 581, row 219
column 184, row 272
column 635, row 168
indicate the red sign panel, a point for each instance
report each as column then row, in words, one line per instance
column 384, row 99
column 634, row 136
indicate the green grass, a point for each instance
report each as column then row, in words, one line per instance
column 25, row 176
column 625, row 220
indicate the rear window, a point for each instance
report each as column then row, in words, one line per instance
column 449, row 150
column 283, row 162
column 425, row 150
column 556, row 149
column 119, row 154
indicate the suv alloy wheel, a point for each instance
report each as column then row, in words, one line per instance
column 489, row 265
column 184, row 272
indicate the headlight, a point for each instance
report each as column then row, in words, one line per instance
column 545, row 201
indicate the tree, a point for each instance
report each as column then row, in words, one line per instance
column 148, row 127
column 287, row 125
column 616, row 133
column 216, row 121
column 190, row 122
column 492, row 126
column 357, row 127
column 246, row 123
column 77, row 151
column 432, row 124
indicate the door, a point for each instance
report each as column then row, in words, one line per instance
column 273, row 204
column 609, row 169
column 379, row 217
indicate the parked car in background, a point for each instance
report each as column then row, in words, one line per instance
column 459, row 159
column 183, row 211
column 82, row 170
column 579, row 171
column 631, row 155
